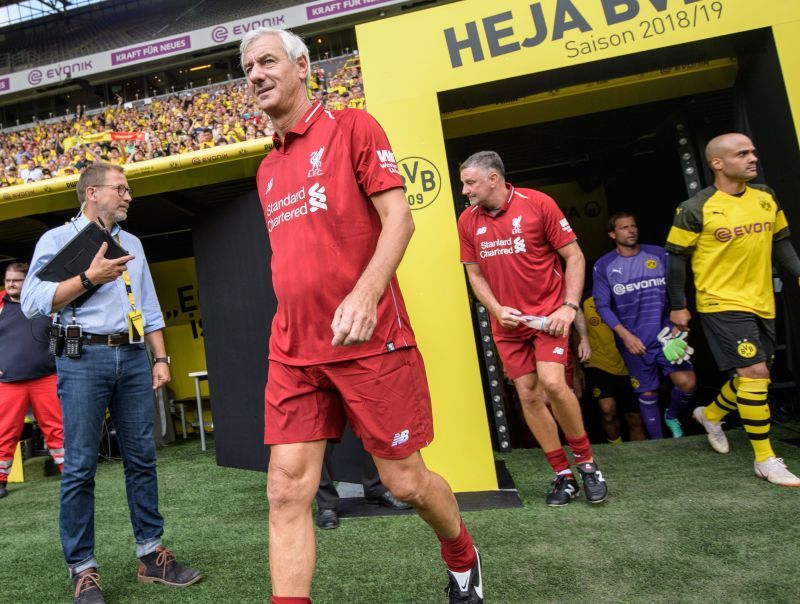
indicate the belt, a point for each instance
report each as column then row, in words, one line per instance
column 111, row 339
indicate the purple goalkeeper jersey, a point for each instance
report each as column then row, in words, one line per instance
column 632, row 290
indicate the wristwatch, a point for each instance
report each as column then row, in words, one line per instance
column 87, row 285
column 161, row 360
column 570, row 305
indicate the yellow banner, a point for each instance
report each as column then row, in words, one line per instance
column 176, row 287
column 469, row 43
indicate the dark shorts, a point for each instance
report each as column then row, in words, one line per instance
column 607, row 385
column 646, row 369
column 520, row 354
column 385, row 397
column 739, row 339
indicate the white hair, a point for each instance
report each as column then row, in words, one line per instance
column 292, row 43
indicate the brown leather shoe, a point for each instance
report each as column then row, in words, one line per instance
column 86, row 588
column 160, row 566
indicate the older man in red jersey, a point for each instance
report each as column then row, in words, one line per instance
column 341, row 344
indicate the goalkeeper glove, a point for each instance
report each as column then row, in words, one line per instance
column 675, row 347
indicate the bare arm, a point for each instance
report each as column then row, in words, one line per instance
column 560, row 320
column 507, row 315
column 584, row 349
column 355, row 318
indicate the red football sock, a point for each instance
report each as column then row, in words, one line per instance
column 557, row 460
column 290, row 600
column 459, row 553
column 581, row 449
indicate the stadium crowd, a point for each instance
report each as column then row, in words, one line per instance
column 178, row 123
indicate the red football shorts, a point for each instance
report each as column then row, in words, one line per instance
column 520, row 354
column 384, row 397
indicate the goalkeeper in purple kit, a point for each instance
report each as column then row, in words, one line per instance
column 630, row 293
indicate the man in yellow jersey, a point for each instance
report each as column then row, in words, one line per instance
column 607, row 378
column 728, row 230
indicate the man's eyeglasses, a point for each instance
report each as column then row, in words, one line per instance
column 121, row 189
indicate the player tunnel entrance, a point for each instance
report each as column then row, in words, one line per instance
column 627, row 134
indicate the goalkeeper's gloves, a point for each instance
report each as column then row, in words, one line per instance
column 675, row 347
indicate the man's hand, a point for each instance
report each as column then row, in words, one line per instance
column 508, row 316
column 355, row 319
column 633, row 344
column 160, row 374
column 584, row 350
column 102, row 270
column 559, row 321
column 680, row 318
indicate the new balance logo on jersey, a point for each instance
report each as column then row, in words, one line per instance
column 481, row 231
column 317, row 198
column 519, row 245
column 516, row 224
column 400, row 438
column 565, row 225
column 316, row 162
column 558, row 350
column 269, row 186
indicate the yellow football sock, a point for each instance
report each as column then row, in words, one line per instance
column 724, row 403
column 615, row 441
column 751, row 399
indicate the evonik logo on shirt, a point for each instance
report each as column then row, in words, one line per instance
column 620, row 288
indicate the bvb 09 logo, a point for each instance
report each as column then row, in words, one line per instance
column 421, row 180
column 746, row 350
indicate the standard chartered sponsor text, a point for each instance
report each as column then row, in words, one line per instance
column 286, row 202
column 498, row 247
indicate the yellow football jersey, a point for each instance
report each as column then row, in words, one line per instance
column 730, row 240
column 605, row 354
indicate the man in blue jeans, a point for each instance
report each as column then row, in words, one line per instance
column 107, row 373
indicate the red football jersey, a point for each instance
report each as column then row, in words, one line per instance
column 516, row 250
column 323, row 229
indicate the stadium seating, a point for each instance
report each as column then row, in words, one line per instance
column 183, row 122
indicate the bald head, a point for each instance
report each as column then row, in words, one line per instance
column 732, row 158
column 720, row 145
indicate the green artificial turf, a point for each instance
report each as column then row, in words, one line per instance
column 682, row 524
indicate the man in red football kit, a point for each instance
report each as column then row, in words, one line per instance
column 338, row 224
column 511, row 240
